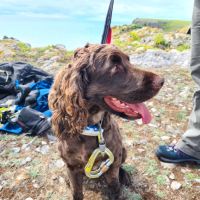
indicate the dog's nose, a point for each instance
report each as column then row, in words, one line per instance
column 158, row 82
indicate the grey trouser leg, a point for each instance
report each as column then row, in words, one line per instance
column 190, row 142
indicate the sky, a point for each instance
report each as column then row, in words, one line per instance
column 76, row 22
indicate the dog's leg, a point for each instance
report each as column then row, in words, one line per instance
column 76, row 182
column 112, row 179
column 124, row 177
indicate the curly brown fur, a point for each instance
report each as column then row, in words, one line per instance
column 77, row 99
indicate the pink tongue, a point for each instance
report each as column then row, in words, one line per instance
column 142, row 109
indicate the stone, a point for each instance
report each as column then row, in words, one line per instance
column 59, row 163
column 35, row 185
column 43, row 150
column 60, row 46
column 140, row 150
column 143, row 142
column 55, row 58
column 153, row 110
column 197, row 180
column 161, row 58
column 175, row 185
column 139, row 122
column 168, row 165
column 61, row 180
column 54, row 177
column 3, row 183
column 44, row 142
column 152, row 125
column 172, row 176
column 16, row 150
column 13, row 143
column 29, row 198
column 165, row 138
column 128, row 142
column 185, row 170
column 170, row 129
column 167, row 180
column 26, row 160
column 26, row 147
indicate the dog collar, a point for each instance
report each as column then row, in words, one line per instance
column 91, row 130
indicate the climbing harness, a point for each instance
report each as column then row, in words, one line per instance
column 102, row 150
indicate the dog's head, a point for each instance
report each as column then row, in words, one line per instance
column 102, row 75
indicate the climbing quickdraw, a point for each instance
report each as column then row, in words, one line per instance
column 102, row 150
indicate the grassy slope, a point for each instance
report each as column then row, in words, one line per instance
column 166, row 25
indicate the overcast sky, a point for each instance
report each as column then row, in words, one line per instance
column 56, row 21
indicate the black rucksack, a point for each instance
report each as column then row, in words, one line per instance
column 22, row 72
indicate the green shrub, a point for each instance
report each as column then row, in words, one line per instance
column 127, row 28
column 136, row 26
column 183, row 47
column 159, row 40
column 180, row 116
column 161, row 180
column 33, row 172
column 127, row 194
column 41, row 50
column 134, row 36
column 23, row 47
column 121, row 44
column 129, row 168
column 161, row 194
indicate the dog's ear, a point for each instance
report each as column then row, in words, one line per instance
column 66, row 99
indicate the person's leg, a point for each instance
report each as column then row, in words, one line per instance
column 189, row 146
column 190, row 142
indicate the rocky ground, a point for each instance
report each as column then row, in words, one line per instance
column 160, row 58
column 30, row 168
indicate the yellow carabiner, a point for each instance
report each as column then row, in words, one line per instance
column 103, row 167
column 3, row 109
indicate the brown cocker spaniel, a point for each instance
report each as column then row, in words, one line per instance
column 99, row 82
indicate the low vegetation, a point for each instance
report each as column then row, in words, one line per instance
column 144, row 34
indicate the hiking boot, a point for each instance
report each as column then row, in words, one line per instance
column 171, row 154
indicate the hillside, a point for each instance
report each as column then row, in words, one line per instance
column 166, row 25
column 52, row 56
column 145, row 34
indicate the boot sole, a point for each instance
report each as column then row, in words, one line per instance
column 177, row 161
column 189, row 161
